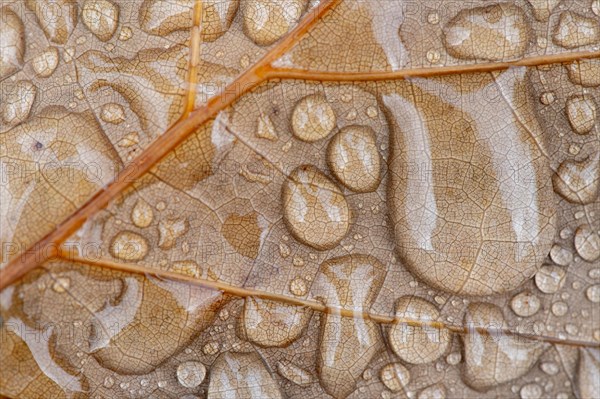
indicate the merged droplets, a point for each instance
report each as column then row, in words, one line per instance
column 414, row 344
column 494, row 359
column 350, row 282
column 581, row 111
column 191, row 374
column 268, row 323
column 495, row 33
column 129, row 246
column 525, row 304
column 575, row 30
column 241, row 375
column 550, row 279
column 578, row 181
column 101, row 17
column 354, row 159
column 587, row 243
column 394, row 376
column 12, row 45
column 313, row 118
column 314, row 208
column 266, row 21
column 16, row 106
column 45, row 63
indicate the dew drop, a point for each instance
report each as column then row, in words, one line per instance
column 559, row 309
column 265, row 128
column 549, row 279
column 101, row 17
column 454, row 358
column 581, row 111
column 525, row 304
column 313, row 118
column 45, row 63
column 593, row 293
column 109, row 382
column 437, row 391
column 16, row 105
column 61, row 284
column 547, row 98
column 113, row 113
column 549, row 368
column 561, row 256
column 12, row 46
column 587, row 243
column 578, row 181
column 531, row 391
column 575, row 30
column 191, row 374
column 298, row 287
column 211, row 348
column 142, row 214
column 394, row 376
column 129, row 246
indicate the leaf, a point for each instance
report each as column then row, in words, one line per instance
column 299, row 199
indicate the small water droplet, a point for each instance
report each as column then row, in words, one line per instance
column 298, row 287
column 191, row 374
column 559, row 309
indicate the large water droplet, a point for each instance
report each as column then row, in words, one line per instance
column 17, row 104
column 394, row 376
column 496, row 32
column 191, row 374
column 12, row 46
column 294, row 373
column 101, row 17
column 129, row 246
column 266, row 21
column 353, row 158
column 581, row 111
column 550, row 279
column 585, row 72
column 315, row 209
column 313, row 118
column 587, row 243
column 57, row 18
column 578, row 181
column 575, row 30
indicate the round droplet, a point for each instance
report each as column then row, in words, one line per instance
column 561, row 256
column 394, row 376
column 129, row 246
column 113, row 113
column 531, row 391
column 315, row 210
column 45, row 63
column 17, row 104
column 587, row 243
column 266, row 21
column 125, row 34
column 581, row 111
column 550, row 368
column 57, row 19
column 585, row 72
column 372, row 112
column 191, row 374
column 575, row 30
column 354, row 160
column 525, row 304
column 433, row 392
column 298, row 287
column 578, row 181
column 211, row 348
column 109, row 382
column 433, row 56
column 433, row 18
column 593, row 293
column 547, row 98
column 594, row 273
column 61, row 284
column 454, row 358
column 549, row 279
column 559, row 309
column 101, row 17
column 417, row 345
column 142, row 214
column 313, row 118
column 483, row 33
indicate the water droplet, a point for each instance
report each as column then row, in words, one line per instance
column 559, row 309
column 244, row 61
column 417, row 345
column 101, row 17
column 525, row 304
column 550, row 368
column 187, row 268
column 16, row 105
column 574, row 149
column 354, row 160
column 481, row 33
column 267, row 21
column 12, row 49
column 129, row 246
column 596, row 7
column 45, row 63
column 433, row 56
column 170, row 230
column 587, row 243
column 298, row 286
column 113, row 113
column 575, row 30
column 57, row 19
column 142, row 214
column 125, row 34
column 315, row 210
column 549, row 279
column 294, row 373
column 454, row 358
column 581, row 111
column 561, row 256
column 211, row 348
column 372, row 112
column 531, row 391
column 571, row 329
column 437, row 391
column 265, row 128
column 547, row 98
column 109, row 382
column 433, row 18
column 394, row 376
column 593, row 293
column 594, row 273
column 191, row 374
column 313, row 118
column 297, row 261
column 61, row 284
column 578, row 181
